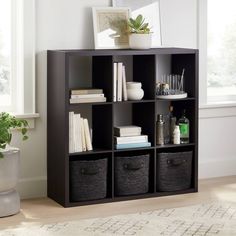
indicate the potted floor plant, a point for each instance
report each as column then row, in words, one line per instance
column 140, row 36
column 9, row 164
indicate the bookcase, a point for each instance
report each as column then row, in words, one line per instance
column 70, row 69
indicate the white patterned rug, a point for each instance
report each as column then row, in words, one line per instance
column 209, row 219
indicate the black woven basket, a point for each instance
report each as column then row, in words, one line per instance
column 131, row 175
column 88, row 180
column 174, row 171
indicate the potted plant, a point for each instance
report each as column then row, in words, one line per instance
column 140, row 36
column 9, row 164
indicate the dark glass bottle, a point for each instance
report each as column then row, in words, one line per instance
column 184, row 128
column 160, row 130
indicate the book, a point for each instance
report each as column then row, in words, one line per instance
column 124, row 131
column 128, row 128
column 77, row 130
column 71, row 132
column 86, row 91
column 114, row 81
column 131, row 139
column 83, row 135
column 124, row 88
column 132, row 145
column 87, row 136
column 87, row 100
column 119, row 81
column 87, row 96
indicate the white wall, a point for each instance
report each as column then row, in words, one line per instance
column 62, row 24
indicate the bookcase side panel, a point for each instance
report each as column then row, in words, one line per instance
column 57, row 128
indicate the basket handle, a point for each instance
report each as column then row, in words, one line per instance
column 174, row 162
column 88, row 171
column 133, row 166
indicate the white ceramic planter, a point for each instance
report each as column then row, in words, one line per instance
column 9, row 174
column 140, row 41
column 134, row 91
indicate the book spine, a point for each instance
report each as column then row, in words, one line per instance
column 114, row 81
column 132, row 145
column 86, row 91
column 87, row 136
column 132, row 139
column 125, row 98
column 128, row 129
column 87, row 100
column 78, row 138
column 88, row 96
column 83, row 135
column 134, row 134
column 119, row 81
column 71, row 150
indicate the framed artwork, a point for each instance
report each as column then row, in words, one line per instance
column 110, row 27
column 150, row 9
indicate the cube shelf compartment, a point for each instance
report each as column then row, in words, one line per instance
column 70, row 69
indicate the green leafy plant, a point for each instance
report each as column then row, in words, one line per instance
column 7, row 123
column 138, row 25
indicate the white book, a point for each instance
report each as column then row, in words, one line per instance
column 87, row 100
column 131, row 139
column 83, row 135
column 88, row 96
column 127, row 134
column 77, row 129
column 124, row 90
column 114, row 81
column 71, row 119
column 119, row 81
column 87, row 136
column 128, row 128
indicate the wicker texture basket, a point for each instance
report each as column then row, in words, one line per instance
column 131, row 175
column 174, row 171
column 88, row 180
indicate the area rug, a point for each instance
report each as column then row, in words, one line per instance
column 208, row 219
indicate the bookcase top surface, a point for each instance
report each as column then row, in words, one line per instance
column 111, row 52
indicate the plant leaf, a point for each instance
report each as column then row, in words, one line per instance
column 24, row 131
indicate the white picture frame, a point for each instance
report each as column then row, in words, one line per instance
column 150, row 9
column 110, row 27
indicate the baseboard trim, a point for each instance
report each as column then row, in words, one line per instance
column 32, row 187
column 217, row 168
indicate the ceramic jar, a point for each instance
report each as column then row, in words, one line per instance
column 134, row 91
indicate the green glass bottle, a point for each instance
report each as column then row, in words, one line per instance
column 184, row 128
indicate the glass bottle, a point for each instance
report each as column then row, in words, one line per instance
column 167, row 133
column 160, row 130
column 184, row 128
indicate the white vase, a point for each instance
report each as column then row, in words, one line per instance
column 134, row 91
column 9, row 174
column 140, row 41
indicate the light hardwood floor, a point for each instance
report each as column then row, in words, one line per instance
column 44, row 210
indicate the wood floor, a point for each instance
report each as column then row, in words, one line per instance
column 44, row 210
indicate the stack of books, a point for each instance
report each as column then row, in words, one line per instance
column 87, row 96
column 130, row 137
column 79, row 134
column 119, row 82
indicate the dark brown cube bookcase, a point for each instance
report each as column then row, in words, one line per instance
column 70, row 69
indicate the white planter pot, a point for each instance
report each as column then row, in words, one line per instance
column 134, row 91
column 9, row 174
column 140, row 41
